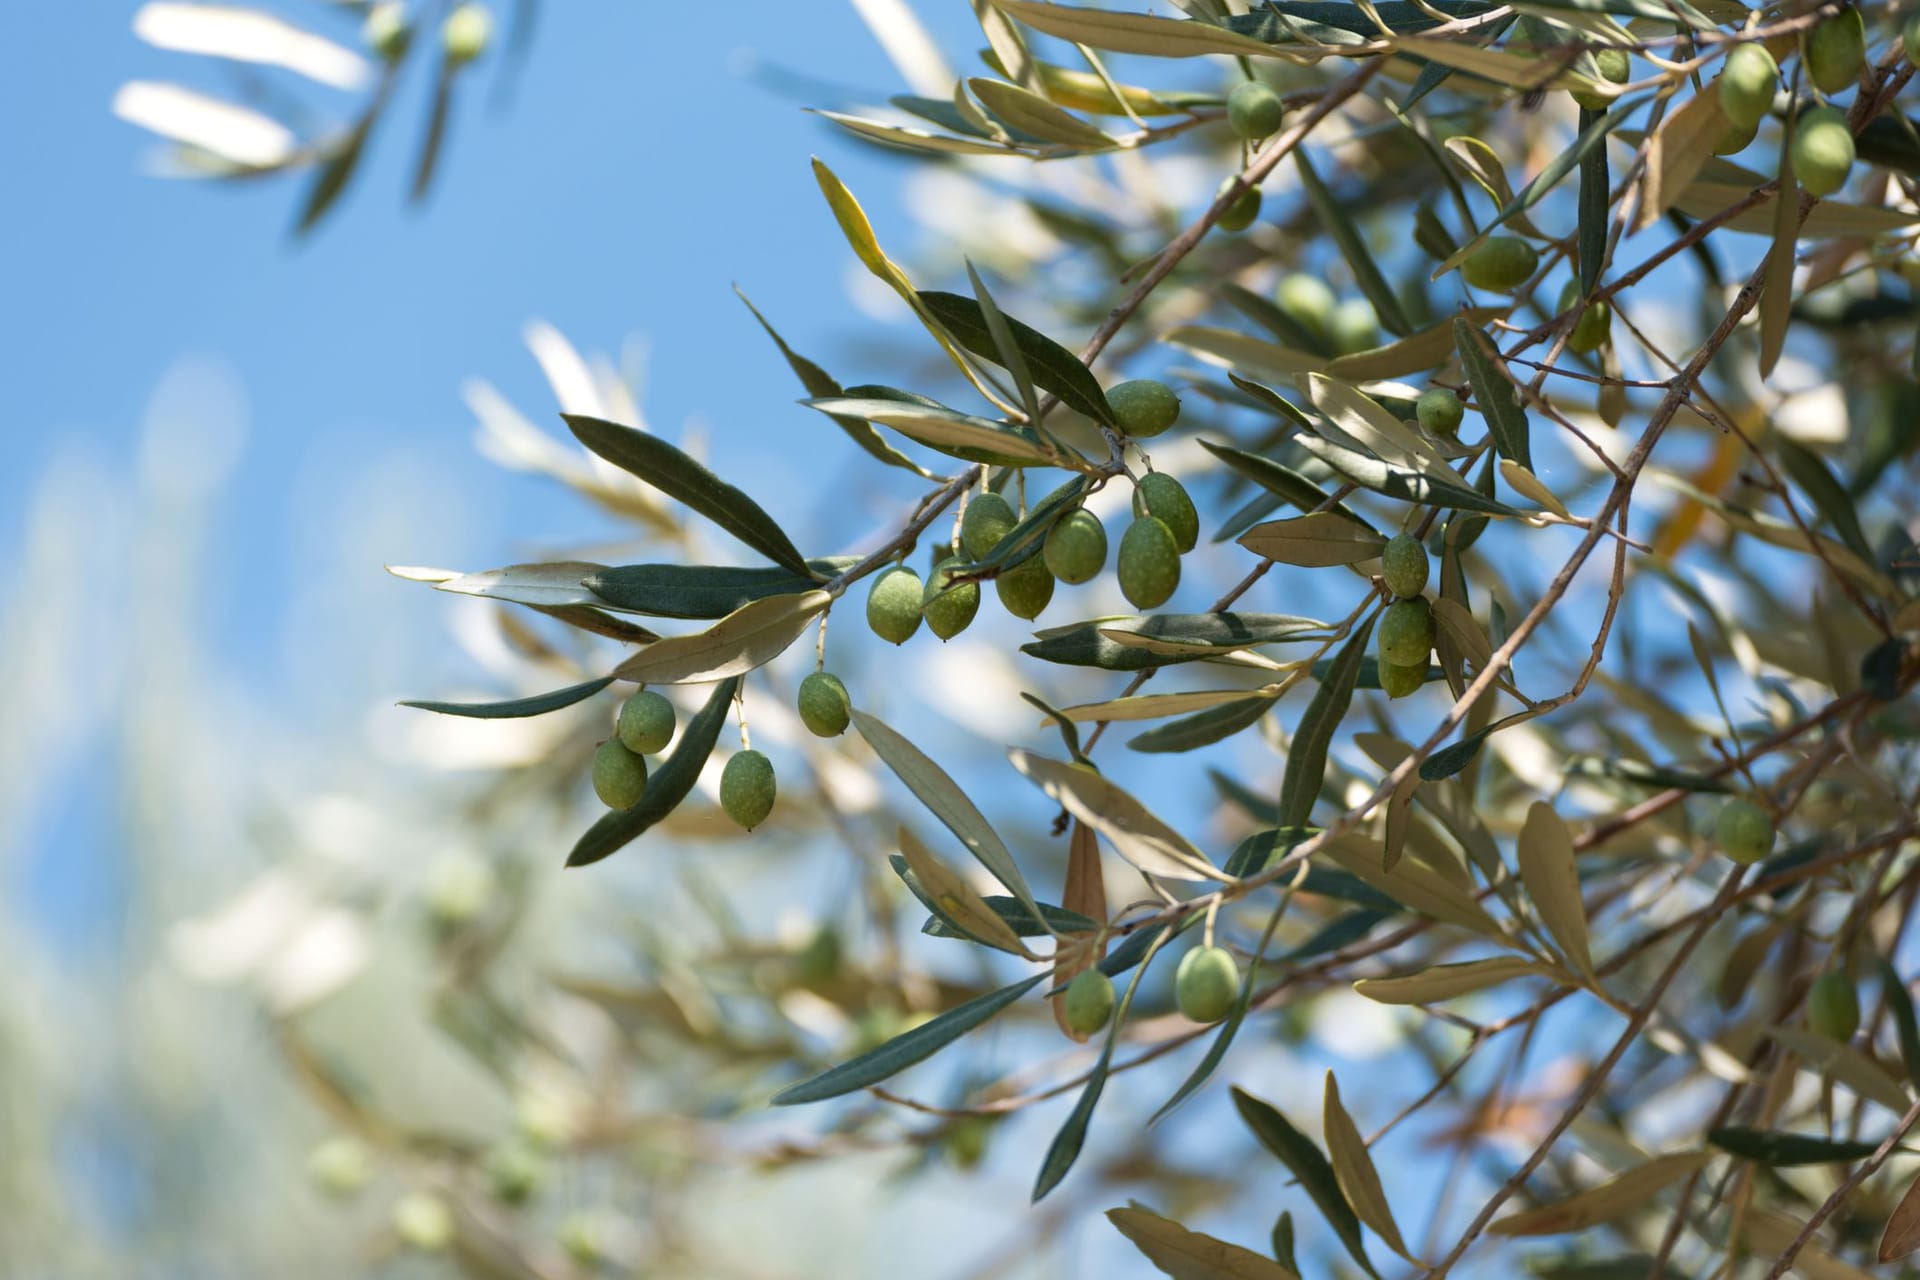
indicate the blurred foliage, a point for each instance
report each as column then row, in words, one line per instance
column 1543, row 857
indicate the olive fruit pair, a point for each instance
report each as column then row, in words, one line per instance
column 1823, row 150
column 1406, row 628
column 619, row 765
column 1206, row 986
column 1502, row 264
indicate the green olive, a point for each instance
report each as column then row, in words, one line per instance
column 1835, row 51
column 1746, row 83
column 989, row 518
column 1026, row 588
column 1404, row 566
column 1744, row 831
column 1354, row 327
column 1239, row 215
column 1592, row 329
column 1502, row 264
column 1149, row 563
column 1207, row 984
column 1076, row 547
column 1833, row 1006
column 1088, row 1003
column 1159, row 495
column 646, row 723
column 619, row 776
column 1615, row 67
column 747, row 788
column 1143, row 407
column 1307, row 301
column 1399, row 682
column 1440, row 411
column 1406, row 633
column 893, row 604
column 824, row 705
column 1254, row 110
column 949, row 606
column 1823, row 150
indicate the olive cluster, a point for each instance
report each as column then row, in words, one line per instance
column 1164, row 527
column 465, row 32
column 644, row 728
column 1406, row 631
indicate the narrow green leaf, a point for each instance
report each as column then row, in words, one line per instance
column 1187, row 637
column 1305, row 1161
column 538, row 705
column 1052, row 919
column 1776, row 282
column 1054, row 368
column 1400, row 483
column 1552, row 880
column 1184, row 1254
column 1497, row 397
column 667, row 785
column 1129, row 826
column 819, row 382
column 1006, row 347
column 1784, row 1150
column 1900, row 1005
column 1591, row 241
column 1615, row 1198
column 1281, row 481
column 433, row 141
column 1203, row 728
column 1030, row 113
column 746, row 639
column 680, row 477
column 947, row 802
column 957, row 434
column 1353, row 247
column 1353, row 1169
column 1133, row 32
column 1809, row 470
column 1314, row 541
column 1307, row 753
column 1450, row 981
column 1451, row 759
column 336, row 173
column 702, row 591
column 1025, row 539
column 906, row 1049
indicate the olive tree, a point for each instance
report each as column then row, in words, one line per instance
column 1469, row 447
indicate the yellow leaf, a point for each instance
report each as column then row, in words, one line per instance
column 1610, row 1200
column 957, row 899
column 1530, row 485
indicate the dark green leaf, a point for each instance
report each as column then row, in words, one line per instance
column 330, row 183
column 1397, row 482
column 702, row 591
column 1203, row 728
column 819, row 382
column 538, row 705
column 1353, row 247
column 1252, row 855
column 1594, row 182
column 1450, row 760
column 1310, row 1166
column 1900, row 1005
column 1283, row 1243
column 904, row 1050
column 1593, row 137
column 1496, row 397
column 680, row 477
column 1890, row 142
column 1283, row 482
column 1780, row 1150
column 1024, row 540
column 1643, row 775
column 1808, row 470
column 434, row 140
column 1053, row 366
column 1006, row 346
column 1276, row 21
column 1307, row 753
column 1022, row 921
column 1083, row 645
column 667, row 786
column 1435, row 74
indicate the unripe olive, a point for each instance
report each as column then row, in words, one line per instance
column 825, row 707
column 514, row 1171
column 1614, row 67
column 619, row 776
column 646, row 723
column 1404, row 566
column 1089, row 1002
column 893, row 604
column 949, row 606
column 1254, row 110
column 1354, row 327
column 1025, row 589
column 466, row 32
column 1833, row 1006
column 1502, row 264
column 966, row 1143
column 1734, row 139
column 746, row 788
column 1307, row 301
column 989, row 517
column 1835, row 50
column 1595, row 325
column 423, row 1221
column 1206, row 984
column 1439, row 411
column 1076, row 547
column 1406, row 633
column 1910, row 38
column 1161, row 496
column 341, row 1165
column 1744, row 831
column 386, row 31
column 1822, row 151
column 1149, row 563
column 1746, row 83
column 1239, row 215
column 1398, row 682
column 1144, row 407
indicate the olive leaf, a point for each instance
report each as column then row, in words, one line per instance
column 1449, row 981
column 961, row 435
column 1353, row 1170
column 537, row 705
column 1353, row 247
column 701, row 591
column 1314, row 541
column 1205, row 727
column 1304, row 1159
column 1129, row 826
column 1307, row 753
column 1612, row 1199
column 678, row 476
column 957, row 901
column 1189, row 1255
column 749, row 637
column 1786, row 1150
column 1030, row 113
column 1133, row 32
column 1053, row 367
column 1552, row 880
column 1497, row 398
